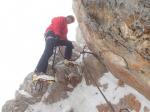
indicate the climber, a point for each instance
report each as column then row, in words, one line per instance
column 55, row 35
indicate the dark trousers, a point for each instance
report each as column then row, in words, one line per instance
column 48, row 52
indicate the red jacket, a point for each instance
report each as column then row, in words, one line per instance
column 59, row 27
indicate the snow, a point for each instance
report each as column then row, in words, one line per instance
column 44, row 77
column 25, row 93
column 70, row 86
column 80, row 59
column 81, row 97
column 118, row 92
column 85, row 98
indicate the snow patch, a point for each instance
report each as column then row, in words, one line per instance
column 44, row 77
column 114, row 92
column 85, row 98
column 24, row 93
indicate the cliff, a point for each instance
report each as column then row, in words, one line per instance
column 118, row 32
column 81, row 93
column 115, row 64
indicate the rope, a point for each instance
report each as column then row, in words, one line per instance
column 110, row 105
column 70, row 59
column 54, row 58
column 83, row 52
column 125, row 109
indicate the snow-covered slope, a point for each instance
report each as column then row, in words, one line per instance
column 78, row 93
column 86, row 98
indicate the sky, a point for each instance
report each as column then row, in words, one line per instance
column 22, row 25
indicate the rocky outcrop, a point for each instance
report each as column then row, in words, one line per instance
column 75, row 89
column 118, row 32
column 117, row 35
column 31, row 92
column 129, row 101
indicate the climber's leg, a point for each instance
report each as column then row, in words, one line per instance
column 43, row 62
column 68, row 49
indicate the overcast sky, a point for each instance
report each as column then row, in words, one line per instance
column 22, row 25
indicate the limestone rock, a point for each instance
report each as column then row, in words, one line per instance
column 117, row 31
column 15, row 106
column 31, row 92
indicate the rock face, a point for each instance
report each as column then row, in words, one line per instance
column 118, row 32
column 75, row 90
column 31, row 92
column 117, row 35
